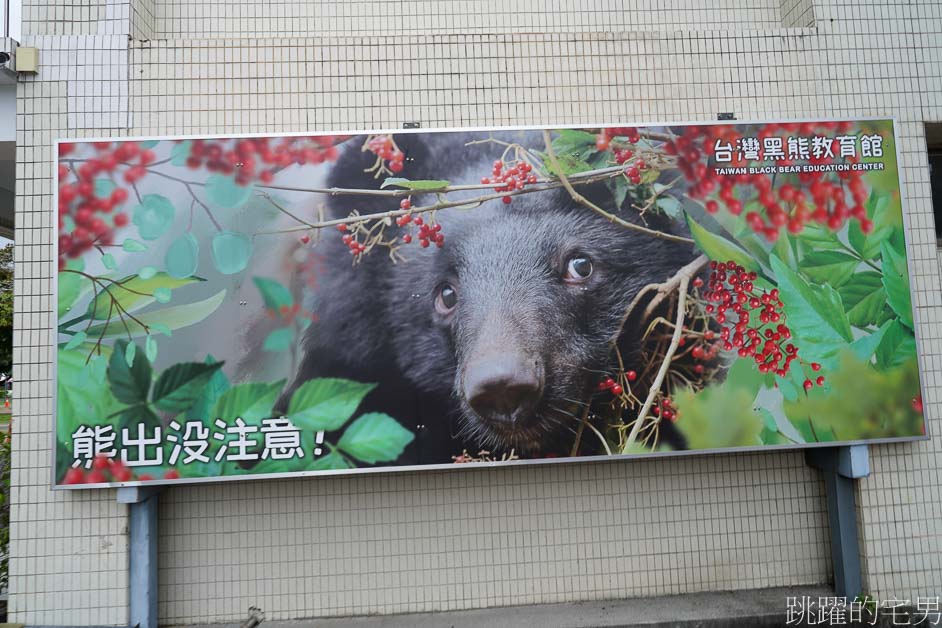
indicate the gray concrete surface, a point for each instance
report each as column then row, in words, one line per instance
column 752, row 609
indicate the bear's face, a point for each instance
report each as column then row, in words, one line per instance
column 515, row 316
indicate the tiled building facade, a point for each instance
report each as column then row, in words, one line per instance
column 490, row 537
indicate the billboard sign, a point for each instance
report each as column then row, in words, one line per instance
column 261, row 306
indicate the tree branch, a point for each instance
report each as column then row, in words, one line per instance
column 579, row 198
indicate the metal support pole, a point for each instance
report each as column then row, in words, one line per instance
column 142, row 550
column 840, row 467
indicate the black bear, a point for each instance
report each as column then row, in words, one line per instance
column 495, row 340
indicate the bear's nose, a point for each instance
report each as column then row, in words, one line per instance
column 503, row 387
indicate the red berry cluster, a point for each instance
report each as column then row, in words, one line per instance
column 666, row 410
column 356, row 247
column 261, row 158
column 917, row 403
column 707, row 350
column 93, row 218
column 611, row 385
column 514, row 177
column 105, row 469
column 603, row 140
column 622, row 153
column 789, row 208
column 385, row 148
column 759, row 330
column 428, row 233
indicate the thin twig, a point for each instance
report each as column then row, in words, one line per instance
column 579, row 198
column 668, row 286
column 665, row 364
column 582, row 424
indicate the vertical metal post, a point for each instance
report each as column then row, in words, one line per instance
column 142, row 554
column 840, row 467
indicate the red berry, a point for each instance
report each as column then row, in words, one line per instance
column 631, row 375
column 507, row 200
column 120, row 220
column 815, row 366
column 395, row 166
column 172, row 474
column 341, row 227
column 144, row 477
column 305, row 239
column 407, row 238
column 95, row 477
column 101, row 463
column 820, row 380
column 405, row 203
column 808, row 384
column 120, row 473
column 617, row 390
column 917, row 404
column 73, row 476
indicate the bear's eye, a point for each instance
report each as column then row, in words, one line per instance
column 447, row 299
column 578, row 269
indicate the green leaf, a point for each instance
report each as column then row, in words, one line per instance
column 819, row 238
column 150, row 349
column 898, row 345
column 147, row 272
column 180, row 386
column 108, row 261
column 669, row 206
column 169, row 318
column 129, row 384
column 104, row 187
column 425, row 186
column 326, row 404
column 863, row 298
column 231, row 252
column 70, row 285
column 865, row 346
column 153, row 216
column 375, row 437
column 718, row 416
column 76, row 340
column 330, row 462
column 815, row 314
column 133, row 293
column 252, row 402
column 575, row 143
column 274, row 293
column 180, row 153
column 718, row 248
column 881, row 213
column 81, row 396
column 147, row 144
column 182, row 256
column 225, row 192
column 859, row 402
column 831, row 267
column 619, row 188
column 279, row 340
column 567, row 165
column 130, row 245
column 896, row 283
column 215, row 387
column 129, row 353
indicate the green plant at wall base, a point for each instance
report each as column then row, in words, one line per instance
column 6, row 455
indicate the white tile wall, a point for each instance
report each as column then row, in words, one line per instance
column 447, row 540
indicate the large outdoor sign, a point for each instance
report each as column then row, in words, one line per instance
column 294, row 305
